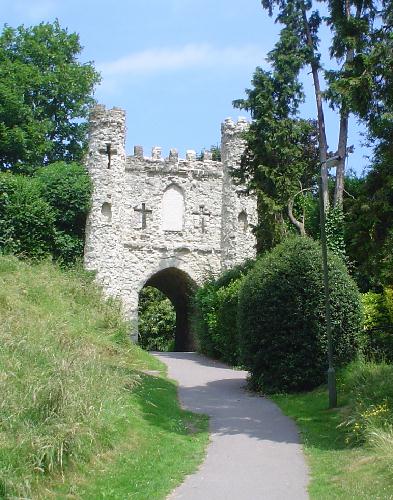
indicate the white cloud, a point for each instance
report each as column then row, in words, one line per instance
column 158, row 60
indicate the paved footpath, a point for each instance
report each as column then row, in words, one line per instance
column 254, row 451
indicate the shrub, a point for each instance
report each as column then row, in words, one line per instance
column 378, row 324
column 66, row 187
column 227, row 332
column 215, row 318
column 157, row 321
column 281, row 317
column 205, row 319
column 26, row 220
column 45, row 214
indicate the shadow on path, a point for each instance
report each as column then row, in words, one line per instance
column 254, row 450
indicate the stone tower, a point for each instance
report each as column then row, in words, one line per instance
column 169, row 223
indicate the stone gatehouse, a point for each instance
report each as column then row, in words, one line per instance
column 163, row 222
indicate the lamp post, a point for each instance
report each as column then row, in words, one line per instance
column 330, row 162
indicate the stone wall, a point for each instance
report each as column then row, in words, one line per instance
column 151, row 214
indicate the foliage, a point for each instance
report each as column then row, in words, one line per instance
column 45, row 214
column 227, row 341
column 215, row 315
column 67, row 189
column 205, row 319
column 367, row 84
column 78, row 416
column 26, row 220
column 370, row 399
column 157, row 321
column 281, row 317
column 340, row 466
column 378, row 324
column 215, row 151
column 281, row 160
column 334, row 228
column 370, row 223
column 45, row 95
column 278, row 154
column 367, row 88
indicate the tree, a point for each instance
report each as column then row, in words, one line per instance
column 367, row 87
column 281, row 160
column 45, row 95
column 282, row 329
column 214, row 150
column 350, row 21
column 370, row 224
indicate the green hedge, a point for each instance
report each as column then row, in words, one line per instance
column 45, row 214
column 26, row 219
column 215, row 318
column 281, row 317
column 378, row 325
column 67, row 188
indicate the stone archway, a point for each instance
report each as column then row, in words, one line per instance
column 179, row 288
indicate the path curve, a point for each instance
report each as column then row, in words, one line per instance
column 254, row 451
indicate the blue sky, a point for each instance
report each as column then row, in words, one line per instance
column 174, row 65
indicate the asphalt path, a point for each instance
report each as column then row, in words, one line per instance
column 254, row 451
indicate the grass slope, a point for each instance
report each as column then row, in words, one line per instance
column 79, row 417
column 349, row 449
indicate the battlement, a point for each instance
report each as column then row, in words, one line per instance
column 100, row 111
column 108, row 127
column 204, row 166
column 173, row 157
column 229, row 127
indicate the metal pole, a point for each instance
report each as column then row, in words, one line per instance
column 331, row 372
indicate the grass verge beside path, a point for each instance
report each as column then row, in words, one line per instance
column 84, row 413
column 163, row 445
column 337, row 468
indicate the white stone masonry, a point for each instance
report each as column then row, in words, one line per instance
column 150, row 214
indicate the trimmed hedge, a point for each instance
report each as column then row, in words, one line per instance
column 378, row 325
column 215, row 318
column 282, row 318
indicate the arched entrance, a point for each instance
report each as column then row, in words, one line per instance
column 179, row 288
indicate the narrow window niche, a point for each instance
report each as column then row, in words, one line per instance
column 243, row 221
column 106, row 211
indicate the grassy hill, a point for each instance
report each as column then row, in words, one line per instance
column 80, row 417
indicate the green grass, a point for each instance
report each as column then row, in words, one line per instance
column 79, row 415
column 163, row 445
column 344, row 465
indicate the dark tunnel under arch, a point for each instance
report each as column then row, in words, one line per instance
column 179, row 288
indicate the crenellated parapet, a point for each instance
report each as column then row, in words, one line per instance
column 190, row 165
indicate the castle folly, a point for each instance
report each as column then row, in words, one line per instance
column 168, row 223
